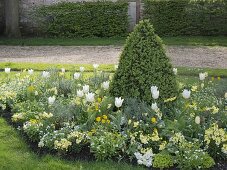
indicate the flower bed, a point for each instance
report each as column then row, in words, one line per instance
column 69, row 114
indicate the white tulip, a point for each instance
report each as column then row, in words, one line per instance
column 7, row 70
column 76, row 76
column 186, row 93
column 106, row 85
column 63, row 70
column 155, row 94
column 95, row 66
column 115, row 66
column 90, row 97
column 30, row 71
column 51, row 100
column 80, row 93
column 197, row 120
column 154, row 88
column 118, row 101
column 202, row 76
column 86, row 88
column 175, row 71
column 154, row 106
column 226, row 95
column 46, row 74
column 36, row 93
column 81, row 69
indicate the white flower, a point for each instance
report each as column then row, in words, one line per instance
column 106, row 85
column 81, row 69
column 41, row 144
column 155, row 94
column 202, row 76
column 76, row 76
column 46, row 74
column 30, row 71
column 36, row 93
column 90, row 97
column 86, row 88
column 154, row 88
column 7, row 70
column 118, row 101
column 175, row 71
column 226, row 95
column 186, row 93
column 80, row 93
column 115, row 66
column 154, row 106
column 197, row 120
column 95, row 66
column 51, row 100
column 63, row 70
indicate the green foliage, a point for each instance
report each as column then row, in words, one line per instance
column 143, row 64
column 162, row 160
column 186, row 17
column 87, row 19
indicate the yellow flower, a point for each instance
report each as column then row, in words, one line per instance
column 108, row 121
column 99, row 99
column 212, row 78
column 219, row 78
column 170, row 99
column 194, row 88
column 153, row 120
column 136, row 124
column 103, row 121
column 98, row 119
column 31, row 88
column 96, row 106
column 162, row 145
column 104, row 117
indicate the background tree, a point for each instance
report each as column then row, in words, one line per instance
column 12, row 18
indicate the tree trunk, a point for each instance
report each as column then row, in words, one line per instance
column 12, row 18
column 138, row 11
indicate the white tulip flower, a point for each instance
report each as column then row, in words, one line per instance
column 86, row 88
column 186, row 93
column 118, row 101
column 175, row 71
column 154, row 88
column 51, row 100
column 90, row 97
column 63, row 70
column 155, row 94
column 106, row 85
column 202, row 76
column 7, row 70
column 46, row 74
column 95, row 66
column 30, row 71
column 82, row 69
column 80, row 93
column 225, row 95
column 197, row 120
column 76, row 76
column 36, row 93
column 154, row 106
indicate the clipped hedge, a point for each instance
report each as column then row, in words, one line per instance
column 85, row 19
column 187, row 17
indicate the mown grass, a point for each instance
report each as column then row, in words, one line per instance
column 181, row 40
column 186, row 71
column 15, row 155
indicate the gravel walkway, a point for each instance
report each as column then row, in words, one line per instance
column 213, row 57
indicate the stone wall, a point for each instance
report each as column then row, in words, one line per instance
column 28, row 25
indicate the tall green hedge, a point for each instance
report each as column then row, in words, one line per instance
column 85, row 19
column 187, row 17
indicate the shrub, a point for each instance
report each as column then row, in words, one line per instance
column 143, row 63
column 162, row 160
column 87, row 19
column 186, row 17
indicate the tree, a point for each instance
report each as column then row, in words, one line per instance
column 143, row 63
column 12, row 18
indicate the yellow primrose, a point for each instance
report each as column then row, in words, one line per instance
column 162, row 145
column 153, row 120
column 104, row 117
column 103, row 121
column 97, row 106
column 31, row 88
column 108, row 121
column 99, row 99
column 215, row 110
column 194, row 88
column 219, row 78
column 212, row 78
column 98, row 119
column 136, row 124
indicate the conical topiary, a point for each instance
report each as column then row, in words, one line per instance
column 143, row 63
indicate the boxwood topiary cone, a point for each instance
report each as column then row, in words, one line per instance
column 143, row 63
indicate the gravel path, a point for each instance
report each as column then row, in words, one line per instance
column 213, row 57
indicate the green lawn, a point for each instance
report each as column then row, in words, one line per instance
column 181, row 40
column 15, row 155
